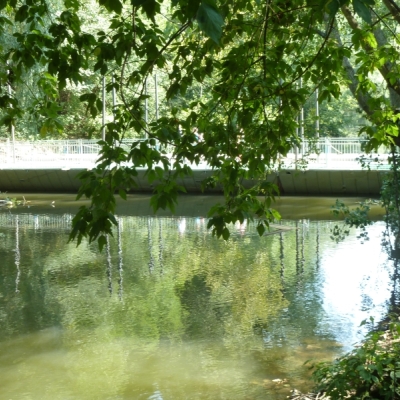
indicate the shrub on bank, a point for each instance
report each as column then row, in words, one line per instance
column 371, row 371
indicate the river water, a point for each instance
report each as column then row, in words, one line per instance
column 166, row 311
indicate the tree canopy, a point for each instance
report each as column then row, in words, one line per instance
column 235, row 76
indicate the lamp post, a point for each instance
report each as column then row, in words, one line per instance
column 316, row 113
column 146, row 107
column 12, row 128
column 113, row 97
column 103, row 129
column 302, row 123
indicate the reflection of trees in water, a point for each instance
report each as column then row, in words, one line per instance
column 17, row 255
column 317, row 247
column 109, row 264
column 299, row 258
column 202, row 284
column 201, row 320
column 71, row 276
column 24, row 304
column 120, row 258
column 234, row 301
column 150, row 244
column 160, row 245
column 282, row 257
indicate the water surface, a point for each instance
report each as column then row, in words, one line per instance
column 169, row 312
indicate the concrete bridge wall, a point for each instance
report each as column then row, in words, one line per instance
column 291, row 182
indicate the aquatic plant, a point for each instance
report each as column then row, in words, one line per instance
column 13, row 202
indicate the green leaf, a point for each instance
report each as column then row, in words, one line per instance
column 332, row 7
column 102, row 241
column 112, row 5
column 210, row 21
column 260, row 229
column 22, row 14
column 362, row 10
column 74, row 4
column 225, row 233
column 150, row 7
column 71, row 19
column 112, row 218
column 275, row 214
column 3, row 4
column 122, row 194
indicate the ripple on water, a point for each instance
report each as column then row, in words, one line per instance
column 186, row 316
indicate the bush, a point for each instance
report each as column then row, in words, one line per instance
column 370, row 371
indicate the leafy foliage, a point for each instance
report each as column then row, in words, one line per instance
column 370, row 371
column 230, row 92
column 339, row 117
column 357, row 218
column 391, row 202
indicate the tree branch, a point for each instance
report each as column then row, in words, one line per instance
column 386, row 70
column 362, row 97
column 393, row 8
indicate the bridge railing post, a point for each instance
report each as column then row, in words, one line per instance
column 81, row 148
column 7, row 151
column 327, row 151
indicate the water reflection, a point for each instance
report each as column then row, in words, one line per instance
column 193, row 316
column 317, row 246
column 120, row 258
column 17, row 254
column 109, row 264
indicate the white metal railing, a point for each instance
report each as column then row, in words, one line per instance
column 332, row 153
column 44, row 153
column 335, row 153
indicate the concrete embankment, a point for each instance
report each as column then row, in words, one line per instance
column 291, row 182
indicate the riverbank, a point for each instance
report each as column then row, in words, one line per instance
column 370, row 371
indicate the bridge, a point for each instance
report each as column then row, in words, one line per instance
column 324, row 166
